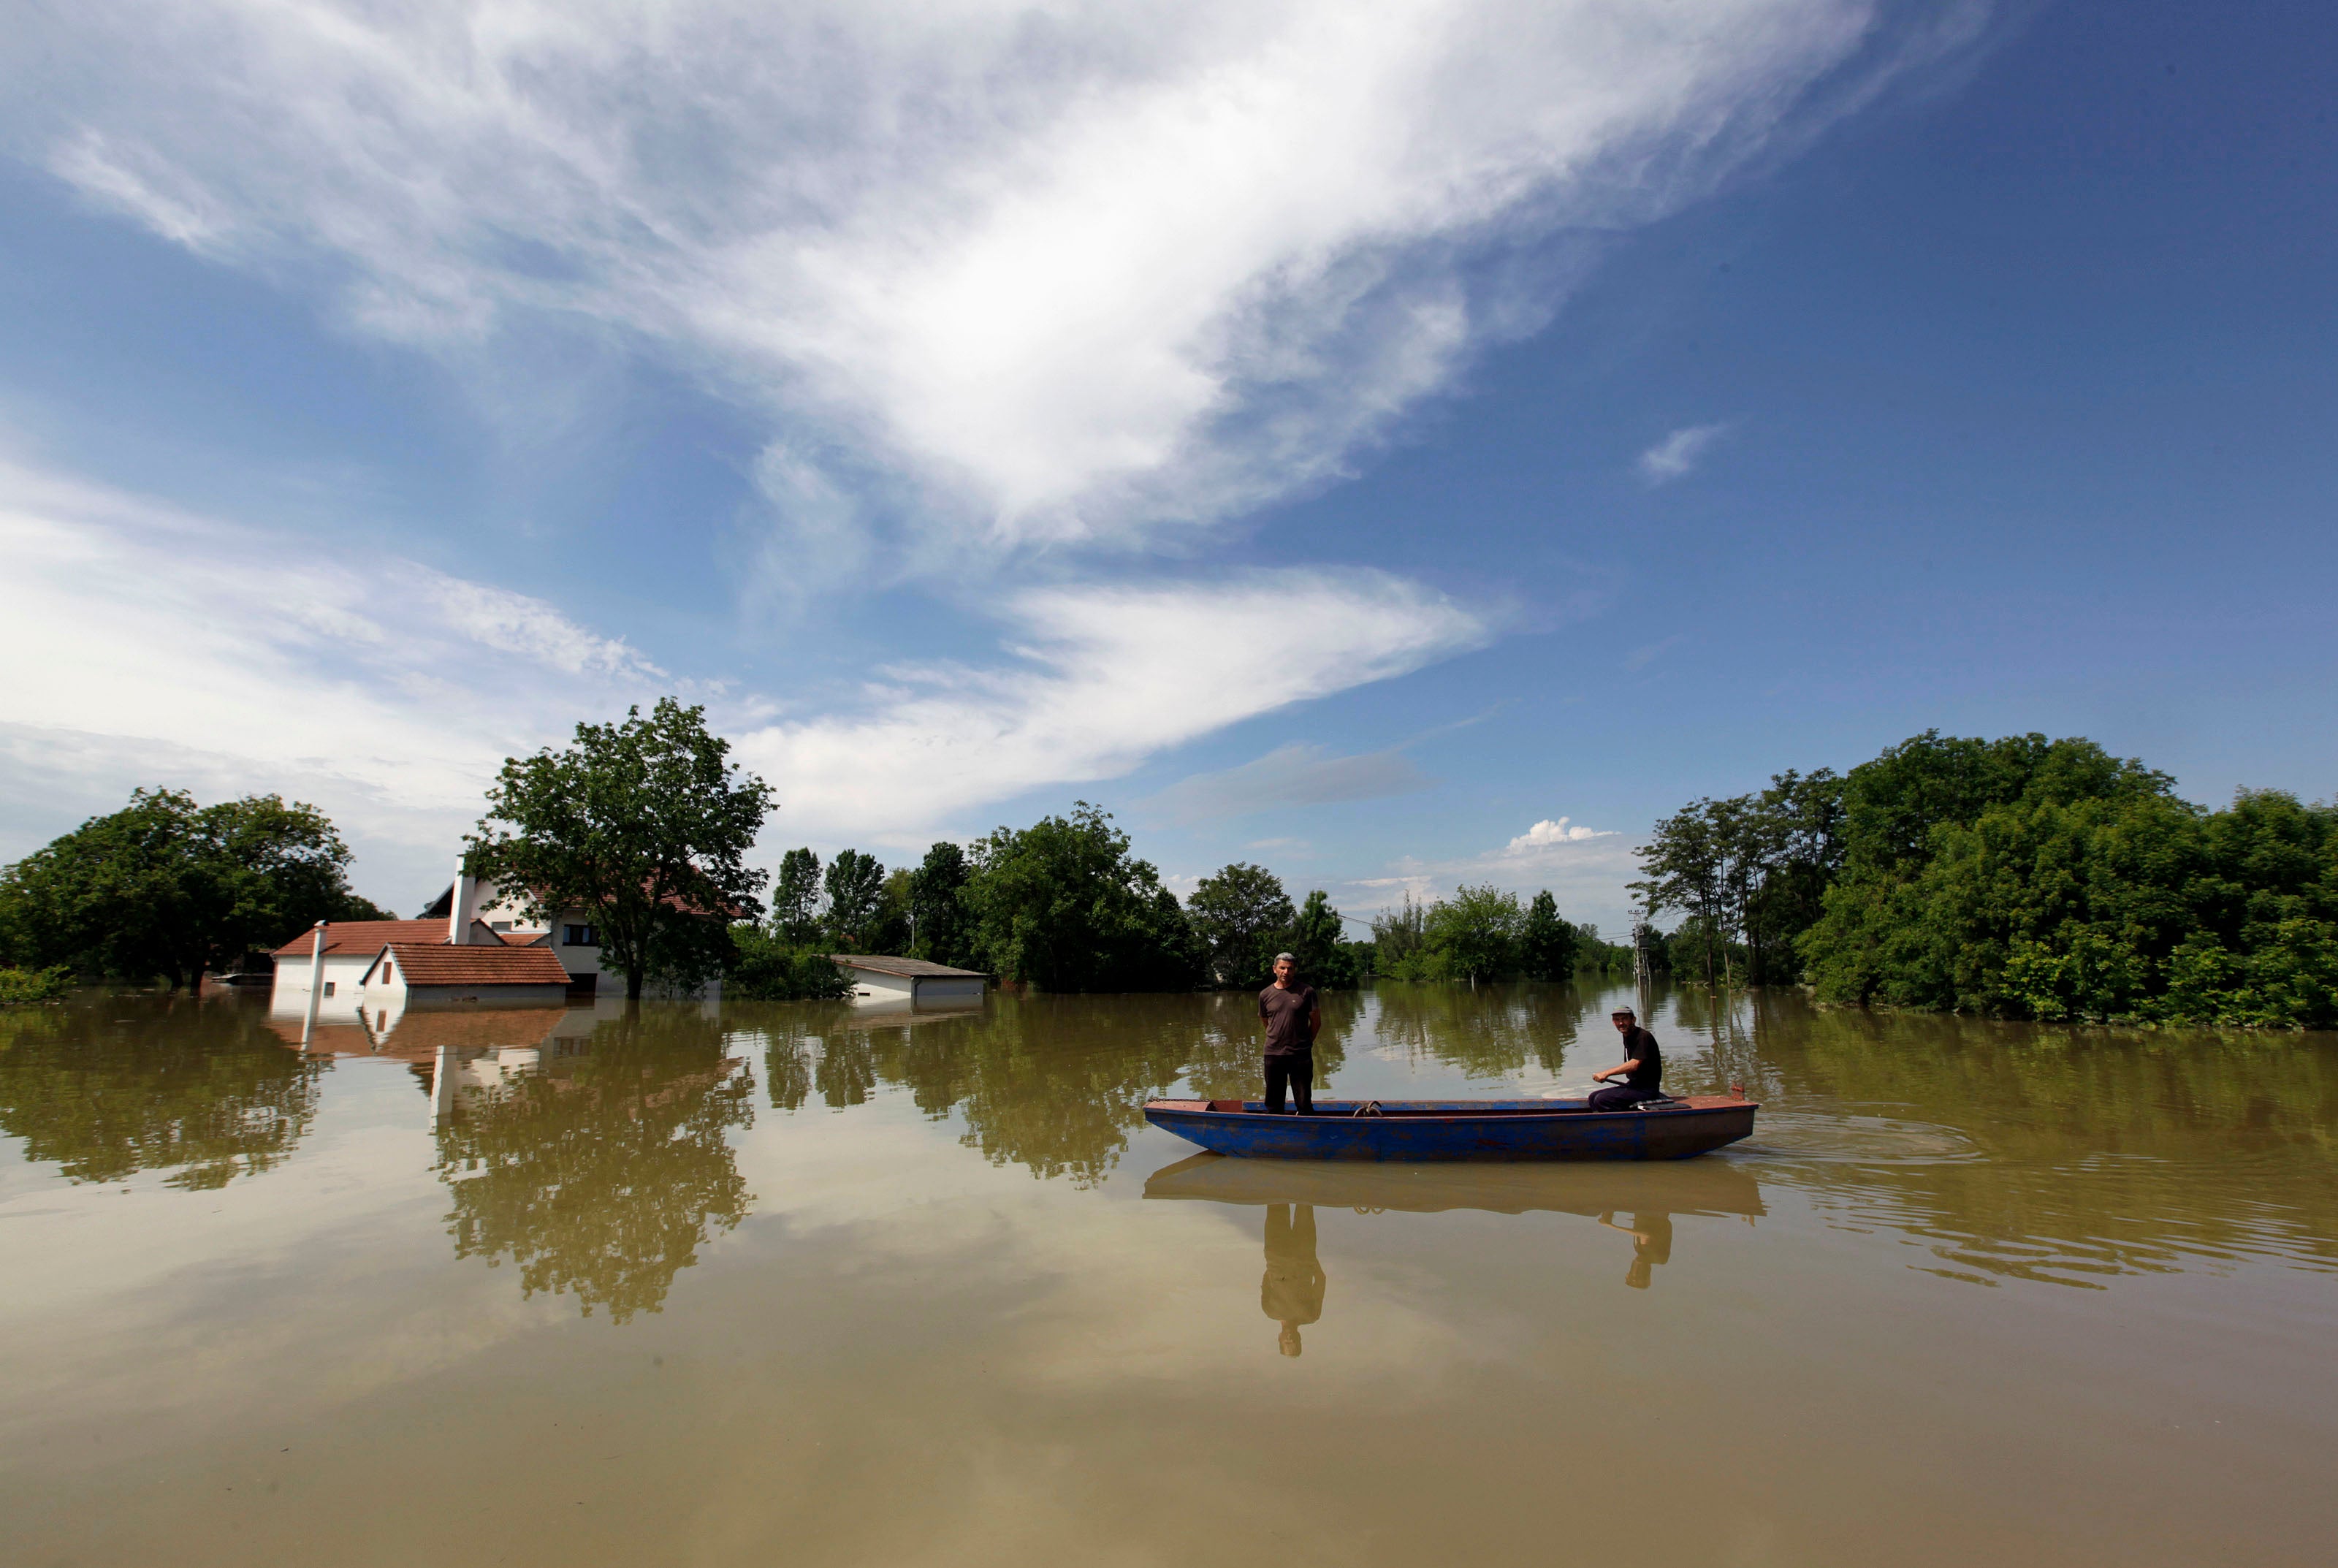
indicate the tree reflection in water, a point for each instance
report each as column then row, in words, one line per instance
column 107, row 1086
column 1487, row 1030
column 2075, row 1153
column 1054, row 1083
column 603, row 1178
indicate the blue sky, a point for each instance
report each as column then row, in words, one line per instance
column 1401, row 444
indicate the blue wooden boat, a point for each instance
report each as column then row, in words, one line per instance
column 1421, row 1130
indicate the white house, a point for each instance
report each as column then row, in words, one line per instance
column 351, row 947
column 406, row 974
column 909, row 982
column 571, row 935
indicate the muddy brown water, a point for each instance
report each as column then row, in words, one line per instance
column 780, row 1284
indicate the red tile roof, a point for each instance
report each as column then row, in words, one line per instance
column 525, row 938
column 438, row 963
column 366, row 936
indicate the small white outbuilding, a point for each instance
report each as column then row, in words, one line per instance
column 910, row 982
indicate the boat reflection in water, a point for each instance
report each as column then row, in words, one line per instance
column 1292, row 1189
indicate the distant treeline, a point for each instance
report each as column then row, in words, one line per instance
column 2022, row 878
column 1064, row 904
column 1489, row 933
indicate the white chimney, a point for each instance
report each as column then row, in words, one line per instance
column 316, row 984
column 458, row 907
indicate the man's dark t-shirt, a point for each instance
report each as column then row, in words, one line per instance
column 1286, row 1014
column 1639, row 1045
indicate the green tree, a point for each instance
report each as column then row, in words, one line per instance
column 795, row 898
column 856, row 900
column 892, row 933
column 165, row 886
column 1064, row 906
column 1884, row 935
column 1244, row 917
column 936, row 906
column 1477, row 931
column 1693, row 862
column 1319, row 944
column 1400, row 939
column 647, row 823
column 765, row 967
column 1547, row 944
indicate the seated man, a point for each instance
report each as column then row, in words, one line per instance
column 1643, row 1072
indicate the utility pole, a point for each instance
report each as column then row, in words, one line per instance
column 1639, row 949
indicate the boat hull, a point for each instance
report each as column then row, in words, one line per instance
column 1426, row 1131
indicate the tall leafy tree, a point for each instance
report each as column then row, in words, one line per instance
column 165, row 886
column 1399, row 938
column 647, row 823
column 1245, row 917
column 1319, row 944
column 1692, row 863
column 936, row 906
column 856, row 900
column 1546, row 941
column 1479, row 930
column 796, row 899
column 1063, row 905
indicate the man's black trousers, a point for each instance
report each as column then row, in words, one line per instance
column 1296, row 1072
column 1621, row 1097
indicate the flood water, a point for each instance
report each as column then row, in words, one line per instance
column 774, row 1284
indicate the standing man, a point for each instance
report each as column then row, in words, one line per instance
column 1642, row 1071
column 1293, row 1019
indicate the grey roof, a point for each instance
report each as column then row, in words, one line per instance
column 907, row 968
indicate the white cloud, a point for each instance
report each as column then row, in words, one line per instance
column 1547, row 833
column 150, row 646
column 1017, row 274
column 1105, row 677
column 1584, row 869
column 155, row 647
column 1677, row 454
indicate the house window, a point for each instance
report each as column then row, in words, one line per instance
column 501, row 925
column 387, row 977
column 579, row 937
column 329, row 988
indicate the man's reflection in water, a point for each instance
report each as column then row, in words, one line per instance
column 1652, row 1243
column 1291, row 1293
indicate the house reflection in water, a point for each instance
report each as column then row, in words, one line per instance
column 585, row 1146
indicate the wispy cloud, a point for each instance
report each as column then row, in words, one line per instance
column 1105, row 678
column 155, row 646
column 165, row 647
column 1640, row 658
column 1677, row 454
column 1001, row 276
column 1298, row 774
